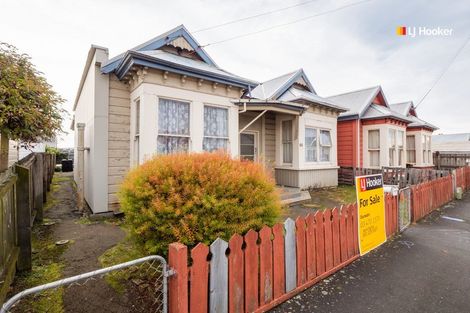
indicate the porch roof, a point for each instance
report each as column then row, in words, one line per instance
column 272, row 105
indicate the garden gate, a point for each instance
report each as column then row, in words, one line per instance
column 141, row 283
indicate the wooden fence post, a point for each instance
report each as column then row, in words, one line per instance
column 37, row 172
column 23, row 218
column 178, row 283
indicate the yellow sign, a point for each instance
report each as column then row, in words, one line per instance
column 371, row 212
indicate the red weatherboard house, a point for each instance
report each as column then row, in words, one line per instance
column 371, row 134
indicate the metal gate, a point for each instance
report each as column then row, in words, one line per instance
column 141, row 286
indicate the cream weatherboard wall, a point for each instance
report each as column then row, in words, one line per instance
column 300, row 172
column 92, row 110
column 423, row 151
column 118, row 138
column 155, row 85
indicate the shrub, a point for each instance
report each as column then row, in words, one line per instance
column 193, row 198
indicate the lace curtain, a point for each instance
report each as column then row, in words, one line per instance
column 173, row 119
column 310, row 144
column 215, row 128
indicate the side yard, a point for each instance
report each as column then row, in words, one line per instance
column 68, row 243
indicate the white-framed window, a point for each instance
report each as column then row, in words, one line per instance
column 137, row 132
column 325, row 145
column 425, row 151
column 400, row 146
column 392, row 148
column 311, row 143
column 411, row 149
column 374, row 147
column 173, row 126
column 287, row 141
column 215, row 128
column 430, row 160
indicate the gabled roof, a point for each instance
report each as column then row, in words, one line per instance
column 402, row 108
column 158, row 42
column 408, row 109
column 290, row 88
column 274, row 88
column 357, row 102
column 375, row 111
column 148, row 54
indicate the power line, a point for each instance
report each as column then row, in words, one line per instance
column 254, row 16
column 444, row 71
column 288, row 23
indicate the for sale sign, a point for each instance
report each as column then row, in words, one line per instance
column 371, row 212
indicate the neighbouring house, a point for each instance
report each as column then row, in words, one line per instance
column 287, row 126
column 167, row 95
column 450, row 143
column 370, row 133
column 418, row 136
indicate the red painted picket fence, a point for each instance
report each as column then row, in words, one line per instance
column 462, row 177
column 391, row 214
column 429, row 196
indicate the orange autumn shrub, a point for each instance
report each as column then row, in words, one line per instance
column 196, row 197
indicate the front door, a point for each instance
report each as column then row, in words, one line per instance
column 249, row 146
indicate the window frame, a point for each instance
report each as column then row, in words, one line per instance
column 410, row 150
column 291, row 143
column 316, row 158
column 169, row 135
column 227, row 138
column 369, row 149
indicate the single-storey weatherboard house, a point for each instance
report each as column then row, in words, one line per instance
column 167, row 95
column 370, row 133
column 418, row 136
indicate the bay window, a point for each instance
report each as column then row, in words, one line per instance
column 173, row 126
column 215, row 128
column 374, row 147
column 325, row 145
column 392, row 134
column 423, row 144
column 317, row 145
column 137, row 132
column 400, row 145
column 310, row 144
column 411, row 149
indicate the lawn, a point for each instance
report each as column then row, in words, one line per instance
column 322, row 198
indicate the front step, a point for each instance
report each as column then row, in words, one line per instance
column 292, row 195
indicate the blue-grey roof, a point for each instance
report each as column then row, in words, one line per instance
column 283, row 88
column 274, row 88
column 147, row 54
column 356, row 101
column 404, row 108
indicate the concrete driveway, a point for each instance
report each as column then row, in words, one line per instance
column 425, row 269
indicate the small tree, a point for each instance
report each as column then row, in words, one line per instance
column 29, row 108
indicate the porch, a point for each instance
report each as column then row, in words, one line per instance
column 274, row 134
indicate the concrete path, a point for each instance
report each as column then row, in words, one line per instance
column 426, row 269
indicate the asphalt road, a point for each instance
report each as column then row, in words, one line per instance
column 425, row 269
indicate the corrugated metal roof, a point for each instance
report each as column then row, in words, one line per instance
column 355, row 101
column 267, row 89
column 183, row 61
column 417, row 122
column 443, row 138
column 402, row 108
column 295, row 94
column 375, row 111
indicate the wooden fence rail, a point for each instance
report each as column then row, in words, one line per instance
column 257, row 271
column 23, row 190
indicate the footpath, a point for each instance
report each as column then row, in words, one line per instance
column 425, row 269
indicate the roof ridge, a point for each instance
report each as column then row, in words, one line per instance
column 354, row 91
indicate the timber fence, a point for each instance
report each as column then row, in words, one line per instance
column 258, row 271
column 23, row 191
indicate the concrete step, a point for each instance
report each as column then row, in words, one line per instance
column 291, row 195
